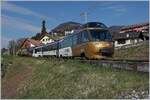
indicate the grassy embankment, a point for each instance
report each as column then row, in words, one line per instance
column 52, row 78
column 140, row 52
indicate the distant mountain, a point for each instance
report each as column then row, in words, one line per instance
column 68, row 26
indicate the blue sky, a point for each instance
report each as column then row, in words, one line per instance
column 23, row 19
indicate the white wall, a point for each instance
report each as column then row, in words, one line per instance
column 69, row 32
column 128, row 42
column 119, row 45
column 31, row 45
column 46, row 40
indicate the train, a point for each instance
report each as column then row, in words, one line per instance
column 92, row 41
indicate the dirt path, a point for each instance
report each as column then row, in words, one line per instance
column 9, row 87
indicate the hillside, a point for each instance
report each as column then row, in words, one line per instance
column 57, row 78
column 67, row 26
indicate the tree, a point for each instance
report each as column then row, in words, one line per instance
column 36, row 37
column 12, row 47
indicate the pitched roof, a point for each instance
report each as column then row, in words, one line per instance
column 135, row 25
column 46, row 35
column 126, row 35
column 31, row 41
column 35, row 42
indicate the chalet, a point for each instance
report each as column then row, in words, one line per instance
column 28, row 43
column 142, row 27
column 46, row 38
column 43, row 36
column 122, row 39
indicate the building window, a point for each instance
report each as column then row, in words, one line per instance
column 127, row 35
column 121, row 41
column 136, row 40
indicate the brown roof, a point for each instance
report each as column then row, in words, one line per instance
column 46, row 35
column 28, row 42
column 135, row 25
column 35, row 42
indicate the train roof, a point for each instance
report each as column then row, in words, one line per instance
column 94, row 25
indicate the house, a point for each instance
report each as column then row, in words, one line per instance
column 25, row 48
column 142, row 27
column 43, row 36
column 46, row 38
column 123, row 39
column 28, row 43
column 69, row 32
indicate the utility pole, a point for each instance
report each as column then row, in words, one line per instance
column 85, row 16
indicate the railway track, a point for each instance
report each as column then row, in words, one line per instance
column 135, row 65
column 126, row 64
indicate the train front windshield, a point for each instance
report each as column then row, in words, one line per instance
column 99, row 35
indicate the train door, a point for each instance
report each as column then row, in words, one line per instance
column 79, row 48
column 76, row 46
column 57, row 49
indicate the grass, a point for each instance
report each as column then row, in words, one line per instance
column 140, row 52
column 54, row 78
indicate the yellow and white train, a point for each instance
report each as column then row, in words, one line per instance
column 93, row 41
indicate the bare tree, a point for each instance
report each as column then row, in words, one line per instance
column 12, row 47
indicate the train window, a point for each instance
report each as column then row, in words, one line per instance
column 85, row 36
column 78, row 38
column 98, row 35
column 49, row 47
column 74, row 40
column 55, row 46
column 52, row 47
column 67, row 42
column 95, row 24
column 60, row 44
column 43, row 49
column 35, row 50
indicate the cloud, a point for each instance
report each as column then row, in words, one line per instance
column 7, row 6
column 15, row 24
column 117, row 10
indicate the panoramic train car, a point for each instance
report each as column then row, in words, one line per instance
column 50, row 49
column 93, row 41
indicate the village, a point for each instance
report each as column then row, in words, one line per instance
column 125, row 36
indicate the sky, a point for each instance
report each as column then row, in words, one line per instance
column 22, row 19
